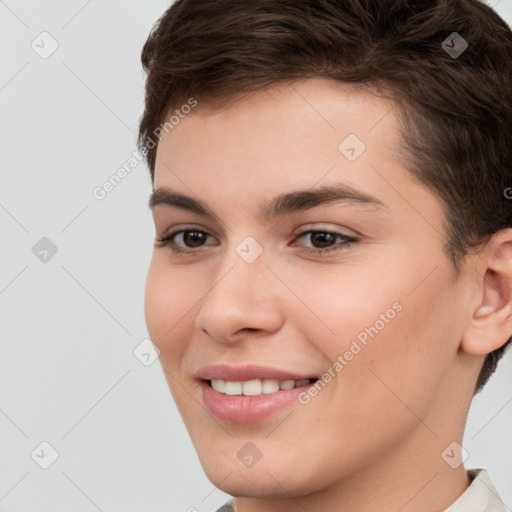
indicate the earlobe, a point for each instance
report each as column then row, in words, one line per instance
column 490, row 326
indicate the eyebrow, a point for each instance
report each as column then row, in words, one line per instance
column 278, row 206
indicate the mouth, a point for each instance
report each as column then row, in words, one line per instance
column 257, row 387
column 250, row 393
column 251, row 401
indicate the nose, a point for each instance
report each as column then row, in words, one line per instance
column 241, row 299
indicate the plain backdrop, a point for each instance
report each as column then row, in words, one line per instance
column 73, row 273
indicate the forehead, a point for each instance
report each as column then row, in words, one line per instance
column 291, row 135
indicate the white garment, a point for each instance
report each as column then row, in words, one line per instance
column 480, row 496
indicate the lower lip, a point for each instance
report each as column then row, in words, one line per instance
column 248, row 409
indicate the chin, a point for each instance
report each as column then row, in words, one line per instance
column 259, row 484
column 265, row 479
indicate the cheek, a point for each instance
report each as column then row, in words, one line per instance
column 382, row 324
column 156, row 303
column 166, row 306
column 343, row 303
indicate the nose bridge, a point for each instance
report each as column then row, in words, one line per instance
column 240, row 295
column 241, row 275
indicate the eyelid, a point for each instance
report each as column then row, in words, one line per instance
column 177, row 228
column 325, row 226
column 167, row 238
column 319, row 226
column 347, row 241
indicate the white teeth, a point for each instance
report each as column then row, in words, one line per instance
column 219, row 385
column 270, row 386
column 251, row 387
column 255, row 387
column 233, row 388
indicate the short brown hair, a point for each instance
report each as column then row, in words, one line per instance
column 456, row 111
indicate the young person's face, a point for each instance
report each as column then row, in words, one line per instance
column 386, row 307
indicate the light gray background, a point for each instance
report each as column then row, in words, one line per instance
column 69, row 326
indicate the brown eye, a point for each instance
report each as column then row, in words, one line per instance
column 322, row 241
column 193, row 238
column 183, row 241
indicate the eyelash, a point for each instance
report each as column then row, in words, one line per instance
column 347, row 241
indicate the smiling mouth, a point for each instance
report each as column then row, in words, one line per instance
column 257, row 387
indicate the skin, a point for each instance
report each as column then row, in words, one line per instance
column 373, row 437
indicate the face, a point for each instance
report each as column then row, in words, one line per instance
column 328, row 310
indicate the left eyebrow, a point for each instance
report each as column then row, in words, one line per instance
column 276, row 207
column 305, row 199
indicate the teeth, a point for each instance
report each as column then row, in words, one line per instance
column 252, row 387
column 288, row 384
column 232, row 388
column 255, row 387
column 219, row 385
column 270, row 386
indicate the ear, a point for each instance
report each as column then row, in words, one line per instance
column 491, row 324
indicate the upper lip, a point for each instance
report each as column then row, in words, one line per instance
column 247, row 372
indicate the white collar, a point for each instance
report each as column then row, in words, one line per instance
column 480, row 496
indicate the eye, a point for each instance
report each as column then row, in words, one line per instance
column 187, row 241
column 190, row 238
column 325, row 238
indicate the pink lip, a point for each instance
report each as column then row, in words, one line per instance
column 247, row 409
column 247, row 372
